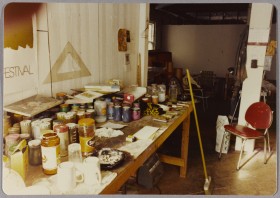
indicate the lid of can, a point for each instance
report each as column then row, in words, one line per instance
column 79, row 113
column 25, row 122
column 49, row 135
column 60, row 128
column 90, row 111
column 24, row 136
column 71, row 125
column 46, row 120
column 86, row 122
column 34, row 143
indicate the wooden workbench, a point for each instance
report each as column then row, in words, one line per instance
column 132, row 163
column 129, row 169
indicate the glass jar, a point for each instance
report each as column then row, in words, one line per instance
column 100, row 111
column 86, row 129
column 161, row 93
column 173, row 93
column 62, row 131
column 50, row 153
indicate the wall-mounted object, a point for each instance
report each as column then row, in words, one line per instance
column 254, row 63
column 122, row 40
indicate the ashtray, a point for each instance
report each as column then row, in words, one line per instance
column 110, row 158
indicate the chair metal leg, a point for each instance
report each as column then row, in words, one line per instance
column 222, row 144
column 268, row 142
column 265, row 148
column 241, row 152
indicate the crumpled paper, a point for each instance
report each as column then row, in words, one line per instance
column 107, row 132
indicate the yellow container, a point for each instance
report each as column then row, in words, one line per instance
column 86, row 128
column 50, row 153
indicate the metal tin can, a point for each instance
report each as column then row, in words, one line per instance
column 25, row 126
column 73, row 135
column 56, row 122
column 110, row 111
column 11, row 141
column 14, row 130
column 62, row 131
column 69, row 117
column 80, row 115
column 136, row 114
column 89, row 113
column 64, row 107
column 50, row 153
column 117, row 113
column 86, row 128
column 36, row 131
column 60, row 115
column 25, row 136
column 126, row 114
column 34, row 152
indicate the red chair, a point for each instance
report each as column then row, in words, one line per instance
column 259, row 116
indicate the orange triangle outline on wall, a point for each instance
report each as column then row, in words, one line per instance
column 54, row 76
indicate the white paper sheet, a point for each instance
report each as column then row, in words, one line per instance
column 145, row 133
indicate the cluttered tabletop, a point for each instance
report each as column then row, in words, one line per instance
column 103, row 146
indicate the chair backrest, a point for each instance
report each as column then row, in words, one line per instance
column 259, row 115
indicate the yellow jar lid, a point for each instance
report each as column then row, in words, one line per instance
column 86, row 122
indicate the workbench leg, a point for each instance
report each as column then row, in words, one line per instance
column 185, row 146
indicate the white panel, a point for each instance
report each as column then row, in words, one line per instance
column 43, row 63
column 20, row 71
column 251, row 88
column 260, row 35
column 113, row 17
column 41, row 14
column 261, row 15
column 76, row 24
column 143, row 42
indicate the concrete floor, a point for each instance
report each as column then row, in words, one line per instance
column 254, row 178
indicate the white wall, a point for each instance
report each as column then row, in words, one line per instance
column 204, row 47
column 88, row 32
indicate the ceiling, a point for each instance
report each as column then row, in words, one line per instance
column 200, row 13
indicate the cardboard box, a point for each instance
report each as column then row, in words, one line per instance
column 19, row 159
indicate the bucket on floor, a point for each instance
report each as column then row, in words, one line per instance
column 221, row 121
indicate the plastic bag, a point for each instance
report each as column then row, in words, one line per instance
column 221, row 121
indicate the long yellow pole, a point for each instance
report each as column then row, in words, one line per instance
column 197, row 125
